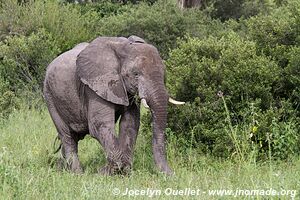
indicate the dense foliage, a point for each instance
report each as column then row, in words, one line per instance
column 235, row 63
column 205, row 72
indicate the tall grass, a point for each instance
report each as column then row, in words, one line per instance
column 28, row 169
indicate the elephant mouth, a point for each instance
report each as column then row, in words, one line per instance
column 132, row 89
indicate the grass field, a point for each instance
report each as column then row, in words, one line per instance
column 28, row 170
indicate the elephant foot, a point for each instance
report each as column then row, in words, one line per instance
column 75, row 167
column 114, row 169
column 126, row 170
column 107, row 170
column 73, row 164
column 167, row 171
column 77, row 170
column 60, row 164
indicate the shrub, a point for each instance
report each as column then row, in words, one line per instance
column 291, row 78
column 160, row 24
column 271, row 132
column 24, row 60
column 285, row 139
column 277, row 36
column 273, row 33
column 236, row 9
column 199, row 68
column 103, row 9
column 8, row 100
column 225, row 9
column 64, row 22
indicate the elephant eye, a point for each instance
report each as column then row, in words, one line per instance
column 136, row 74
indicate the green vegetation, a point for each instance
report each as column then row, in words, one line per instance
column 235, row 63
column 28, row 170
column 250, row 84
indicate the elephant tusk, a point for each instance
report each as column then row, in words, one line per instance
column 144, row 102
column 175, row 102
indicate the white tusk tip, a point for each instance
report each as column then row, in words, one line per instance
column 176, row 102
column 144, row 103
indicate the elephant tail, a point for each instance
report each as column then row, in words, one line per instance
column 56, row 149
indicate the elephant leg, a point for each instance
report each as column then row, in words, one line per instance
column 128, row 131
column 101, row 117
column 69, row 148
column 69, row 152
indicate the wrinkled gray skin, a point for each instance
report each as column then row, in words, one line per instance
column 90, row 87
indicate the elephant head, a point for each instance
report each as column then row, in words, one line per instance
column 117, row 67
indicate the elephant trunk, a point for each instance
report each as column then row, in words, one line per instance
column 158, row 101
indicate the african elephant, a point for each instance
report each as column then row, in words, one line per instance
column 88, row 88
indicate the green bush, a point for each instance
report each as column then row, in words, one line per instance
column 24, row 60
column 291, row 78
column 8, row 101
column 199, row 68
column 225, row 9
column 236, row 9
column 277, row 36
column 103, row 9
column 285, row 139
column 274, row 33
column 64, row 22
column 255, row 7
column 160, row 24
column 272, row 132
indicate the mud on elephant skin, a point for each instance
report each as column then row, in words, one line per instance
column 88, row 88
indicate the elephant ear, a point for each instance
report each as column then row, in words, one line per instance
column 98, row 66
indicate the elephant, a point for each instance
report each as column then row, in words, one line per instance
column 90, row 87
